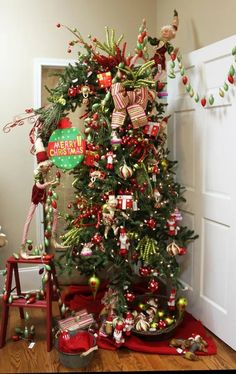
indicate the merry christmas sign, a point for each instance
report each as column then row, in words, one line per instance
column 66, row 146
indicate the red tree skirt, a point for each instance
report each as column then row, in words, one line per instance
column 79, row 297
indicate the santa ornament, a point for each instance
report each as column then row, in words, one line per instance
column 110, row 160
column 172, row 225
column 172, row 300
column 118, row 333
column 128, row 323
column 123, row 242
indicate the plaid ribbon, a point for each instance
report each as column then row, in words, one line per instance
column 134, row 102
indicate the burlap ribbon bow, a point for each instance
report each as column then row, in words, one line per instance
column 133, row 102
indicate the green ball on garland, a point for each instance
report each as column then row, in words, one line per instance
column 66, row 146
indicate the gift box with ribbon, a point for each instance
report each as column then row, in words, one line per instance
column 80, row 320
column 152, row 129
column 104, row 79
column 124, row 202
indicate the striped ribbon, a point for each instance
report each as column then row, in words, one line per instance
column 134, row 102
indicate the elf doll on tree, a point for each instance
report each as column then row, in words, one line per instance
column 39, row 195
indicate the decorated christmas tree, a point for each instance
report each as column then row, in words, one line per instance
column 125, row 219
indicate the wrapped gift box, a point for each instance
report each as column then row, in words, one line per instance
column 124, row 202
column 152, row 129
column 104, row 79
column 80, row 320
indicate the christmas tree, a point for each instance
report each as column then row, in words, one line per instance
column 125, row 218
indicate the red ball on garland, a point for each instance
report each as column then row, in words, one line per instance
column 129, row 296
column 185, row 79
column 144, row 271
column 230, row 79
column 151, row 223
column 54, row 204
column 203, row 101
column 153, row 285
column 97, row 238
column 72, row 92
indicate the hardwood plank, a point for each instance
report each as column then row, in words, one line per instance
column 16, row 357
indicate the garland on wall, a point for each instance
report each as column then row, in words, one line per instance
column 230, row 79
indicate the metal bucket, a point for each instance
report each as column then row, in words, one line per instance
column 75, row 360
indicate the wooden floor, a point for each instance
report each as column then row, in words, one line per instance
column 16, row 357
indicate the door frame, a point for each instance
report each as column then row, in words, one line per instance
column 39, row 64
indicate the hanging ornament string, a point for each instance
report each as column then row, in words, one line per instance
column 231, row 79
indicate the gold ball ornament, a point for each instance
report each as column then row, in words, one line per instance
column 141, row 306
column 164, row 164
column 182, row 304
column 160, row 313
column 169, row 321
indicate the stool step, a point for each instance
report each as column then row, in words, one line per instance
column 21, row 303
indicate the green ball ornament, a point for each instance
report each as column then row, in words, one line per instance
column 66, row 146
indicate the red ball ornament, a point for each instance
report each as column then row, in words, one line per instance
column 129, row 296
column 72, row 91
column 47, row 234
column 161, row 324
column 54, row 204
column 184, row 79
column 97, row 238
column 231, row 79
column 151, row 223
column 182, row 251
column 58, row 174
column 203, row 101
column 144, row 271
column 153, row 285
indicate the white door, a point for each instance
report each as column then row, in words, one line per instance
column 203, row 141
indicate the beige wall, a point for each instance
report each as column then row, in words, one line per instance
column 28, row 31
column 202, row 22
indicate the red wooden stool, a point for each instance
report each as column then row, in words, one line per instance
column 51, row 295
